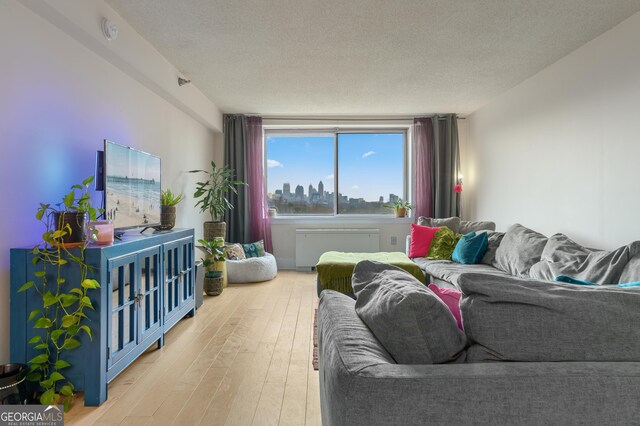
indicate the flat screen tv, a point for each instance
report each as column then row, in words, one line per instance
column 131, row 187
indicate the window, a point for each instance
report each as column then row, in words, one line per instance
column 335, row 172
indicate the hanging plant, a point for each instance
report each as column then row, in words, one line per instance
column 60, row 319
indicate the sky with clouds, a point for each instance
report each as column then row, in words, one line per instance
column 369, row 165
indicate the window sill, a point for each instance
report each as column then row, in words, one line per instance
column 340, row 220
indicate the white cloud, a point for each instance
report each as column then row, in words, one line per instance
column 329, row 177
column 355, row 187
column 368, row 154
column 274, row 163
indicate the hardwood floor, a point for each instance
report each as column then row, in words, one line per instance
column 244, row 359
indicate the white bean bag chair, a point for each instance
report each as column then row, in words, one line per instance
column 252, row 269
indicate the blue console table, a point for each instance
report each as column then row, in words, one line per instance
column 147, row 286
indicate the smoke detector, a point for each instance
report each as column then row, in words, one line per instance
column 109, row 29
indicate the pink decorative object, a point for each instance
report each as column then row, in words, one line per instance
column 457, row 188
column 421, row 237
column 451, row 298
column 104, row 232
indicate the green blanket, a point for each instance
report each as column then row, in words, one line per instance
column 335, row 268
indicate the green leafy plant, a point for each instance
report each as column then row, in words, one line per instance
column 399, row 204
column 215, row 252
column 61, row 318
column 168, row 198
column 212, row 193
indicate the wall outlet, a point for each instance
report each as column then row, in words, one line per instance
column 394, row 240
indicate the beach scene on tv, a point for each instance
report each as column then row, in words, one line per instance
column 132, row 187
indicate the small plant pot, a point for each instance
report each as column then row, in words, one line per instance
column 214, row 229
column 167, row 217
column 77, row 229
column 401, row 212
column 213, row 286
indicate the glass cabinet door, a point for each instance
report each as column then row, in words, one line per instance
column 122, row 284
column 186, row 247
column 149, row 305
column 172, row 272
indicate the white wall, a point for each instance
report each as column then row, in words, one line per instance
column 58, row 100
column 560, row 152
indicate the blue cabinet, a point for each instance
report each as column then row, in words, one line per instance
column 147, row 286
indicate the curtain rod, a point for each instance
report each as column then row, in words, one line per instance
column 348, row 119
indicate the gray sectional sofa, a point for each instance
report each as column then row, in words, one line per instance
column 536, row 351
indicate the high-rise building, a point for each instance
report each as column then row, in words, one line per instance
column 312, row 191
column 381, row 200
column 393, row 197
column 321, row 189
column 300, row 192
column 286, row 190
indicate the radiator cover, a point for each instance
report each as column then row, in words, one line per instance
column 312, row 242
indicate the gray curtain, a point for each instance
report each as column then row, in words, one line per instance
column 235, row 157
column 446, row 165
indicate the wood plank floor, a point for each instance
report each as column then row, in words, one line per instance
column 244, row 359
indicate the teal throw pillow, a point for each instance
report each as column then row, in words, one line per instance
column 470, row 248
column 254, row 249
column 571, row 280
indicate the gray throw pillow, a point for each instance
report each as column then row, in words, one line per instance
column 520, row 249
column 514, row 319
column 452, row 223
column 467, row 226
column 563, row 256
column 408, row 319
column 495, row 238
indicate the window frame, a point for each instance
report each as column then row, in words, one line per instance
column 335, row 131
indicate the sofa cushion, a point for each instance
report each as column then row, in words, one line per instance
column 410, row 321
column 443, row 244
column 421, row 237
column 495, row 238
column 452, row 223
column 520, row 249
column 515, row 319
column 448, row 271
column 563, row 256
column 467, row 226
column 470, row 248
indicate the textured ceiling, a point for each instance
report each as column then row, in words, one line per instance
column 365, row 57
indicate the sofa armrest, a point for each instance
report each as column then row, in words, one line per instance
column 407, row 245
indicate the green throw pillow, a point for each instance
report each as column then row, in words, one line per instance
column 254, row 249
column 443, row 244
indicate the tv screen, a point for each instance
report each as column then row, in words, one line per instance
column 131, row 186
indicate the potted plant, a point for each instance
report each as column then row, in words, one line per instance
column 400, row 207
column 59, row 318
column 212, row 198
column 213, row 265
column 168, row 201
column 71, row 215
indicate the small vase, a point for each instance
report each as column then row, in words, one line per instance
column 214, row 229
column 213, row 286
column 167, row 217
column 401, row 212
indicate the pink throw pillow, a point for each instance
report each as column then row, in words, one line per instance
column 451, row 298
column 421, row 237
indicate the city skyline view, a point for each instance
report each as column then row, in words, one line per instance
column 370, row 166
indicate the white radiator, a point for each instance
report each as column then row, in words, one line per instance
column 311, row 243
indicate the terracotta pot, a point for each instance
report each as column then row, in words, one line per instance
column 167, row 217
column 214, row 229
column 401, row 212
